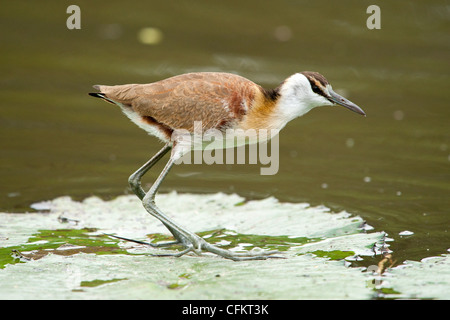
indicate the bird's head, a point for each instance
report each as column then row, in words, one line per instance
column 307, row 90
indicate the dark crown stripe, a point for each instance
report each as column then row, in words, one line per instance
column 317, row 82
column 317, row 76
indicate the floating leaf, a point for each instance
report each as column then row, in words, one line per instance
column 425, row 279
column 74, row 260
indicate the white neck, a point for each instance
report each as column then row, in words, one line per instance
column 295, row 97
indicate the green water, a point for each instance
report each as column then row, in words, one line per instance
column 392, row 168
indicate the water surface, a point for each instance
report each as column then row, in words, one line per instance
column 391, row 168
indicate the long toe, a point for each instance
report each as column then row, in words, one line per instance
column 241, row 256
column 194, row 243
column 177, row 254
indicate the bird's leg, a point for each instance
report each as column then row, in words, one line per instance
column 135, row 179
column 135, row 183
column 149, row 204
column 190, row 240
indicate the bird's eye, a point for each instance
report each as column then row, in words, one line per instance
column 315, row 88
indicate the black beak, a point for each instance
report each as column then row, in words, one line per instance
column 337, row 99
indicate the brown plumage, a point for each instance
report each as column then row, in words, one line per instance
column 218, row 100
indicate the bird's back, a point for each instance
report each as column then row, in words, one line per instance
column 216, row 99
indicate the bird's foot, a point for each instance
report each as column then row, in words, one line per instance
column 196, row 244
column 240, row 256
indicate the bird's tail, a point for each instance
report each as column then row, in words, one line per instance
column 103, row 96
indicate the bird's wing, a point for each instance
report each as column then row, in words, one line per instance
column 216, row 99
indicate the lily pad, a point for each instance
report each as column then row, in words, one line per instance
column 425, row 279
column 64, row 248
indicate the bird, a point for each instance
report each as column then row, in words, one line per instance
column 219, row 101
